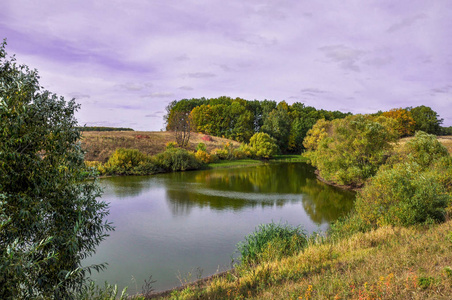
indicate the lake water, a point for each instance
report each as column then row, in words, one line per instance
column 181, row 226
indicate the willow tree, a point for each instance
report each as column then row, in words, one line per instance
column 50, row 219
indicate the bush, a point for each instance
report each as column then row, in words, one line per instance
column 176, row 160
column 227, row 153
column 124, row 161
column 201, row 146
column 271, row 241
column 403, row 196
column 263, row 145
column 203, row 156
column 349, row 151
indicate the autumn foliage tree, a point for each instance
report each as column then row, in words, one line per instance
column 405, row 123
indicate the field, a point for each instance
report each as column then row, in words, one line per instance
column 100, row 145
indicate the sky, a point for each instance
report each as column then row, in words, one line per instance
column 125, row 61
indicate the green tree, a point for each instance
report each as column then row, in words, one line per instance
column 278, row 124
column 349, row 151
column 50, row 219
column 426, row 119
column 263, row 145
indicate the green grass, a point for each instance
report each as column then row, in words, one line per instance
column 234, row 163
column 253, row 162
column 289, row 157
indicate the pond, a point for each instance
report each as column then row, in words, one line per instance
column 178, row 227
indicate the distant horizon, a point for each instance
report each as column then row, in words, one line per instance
column 124, row 62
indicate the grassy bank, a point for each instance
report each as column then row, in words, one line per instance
column 387, row 263
column 99, row 146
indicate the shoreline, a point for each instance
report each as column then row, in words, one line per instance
column 197, row 283
column 341, row 186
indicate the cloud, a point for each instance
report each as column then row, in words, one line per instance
column 379, row 61
column 407, row 22
column 78, row 95
column 186, row 88
column 158, row 95
column 200, row 75
column 442, row 90
column 133, row 86
column 346, row 57
column 157, row 114
column 312, row 91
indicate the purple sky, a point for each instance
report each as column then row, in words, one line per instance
column 124, row 61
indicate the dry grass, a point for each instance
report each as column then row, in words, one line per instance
column 388, row 263
column 100, row 145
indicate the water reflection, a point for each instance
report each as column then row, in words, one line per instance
column 257, row 186
column 173, row 223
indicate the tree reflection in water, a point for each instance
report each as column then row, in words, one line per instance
column 266, row 185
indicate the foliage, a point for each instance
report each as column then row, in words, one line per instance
column 446, row 130
column 201, row 146
column 263, row 145
column 350, row 150
column 271, row 241
column 423, row 150
column 402, row 196
column 426, row 119
column 239, row 119
column 203, row 156
column 124, row 161
column 176, row 160
column 50, row 219
column 405, row 122
column 278, row 124
column 226, row 153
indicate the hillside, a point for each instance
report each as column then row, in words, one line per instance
column 100, row 145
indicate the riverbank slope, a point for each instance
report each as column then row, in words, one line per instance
column 387, row 263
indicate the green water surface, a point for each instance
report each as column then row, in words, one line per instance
column 181, row 226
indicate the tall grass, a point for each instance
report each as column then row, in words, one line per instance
column 271, row 241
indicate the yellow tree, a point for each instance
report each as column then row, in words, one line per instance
column 405, row 122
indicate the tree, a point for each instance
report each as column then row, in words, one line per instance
column 278, row 124
column 426, row 119
column 405, row 122
column 263, row 145
column 50, row 219
column 349, row 151
column 181, row 125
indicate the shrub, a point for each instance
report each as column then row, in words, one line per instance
column 247, row 150
column 271, row 241
column 403, row 196
column 263, row 145
column 201, row 146
column 176, row 160
column 203, row 156
column 349, row 151
column 124, row 161
column 227, row 153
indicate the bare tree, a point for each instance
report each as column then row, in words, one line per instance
column 181, row 125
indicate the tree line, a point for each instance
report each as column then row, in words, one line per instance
column 240, row 119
